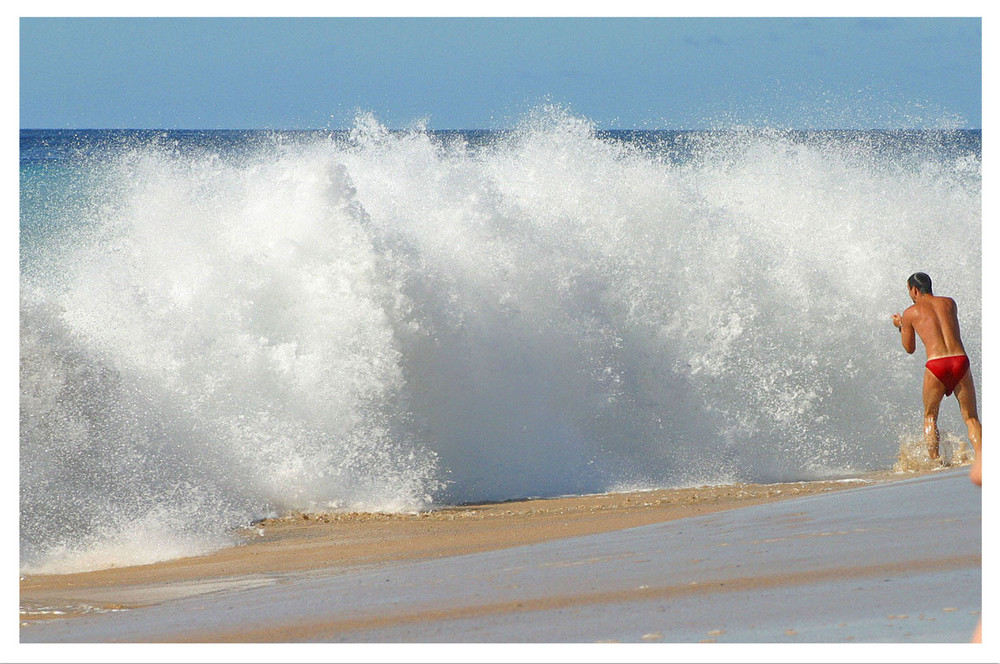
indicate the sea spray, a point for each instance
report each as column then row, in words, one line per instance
column 216, row 347
column 215, row 328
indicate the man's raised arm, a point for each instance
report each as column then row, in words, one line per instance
column 907, row 335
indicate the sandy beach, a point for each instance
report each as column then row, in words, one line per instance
column 304, row 542
column 341, row 545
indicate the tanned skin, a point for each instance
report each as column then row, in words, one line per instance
column 935, row 320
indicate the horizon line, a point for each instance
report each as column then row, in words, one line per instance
column 481, row 129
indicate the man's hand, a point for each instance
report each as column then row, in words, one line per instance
column 897, row 320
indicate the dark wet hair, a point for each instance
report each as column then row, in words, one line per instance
column 921, row 281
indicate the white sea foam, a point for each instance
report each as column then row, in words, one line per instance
column 384, row 321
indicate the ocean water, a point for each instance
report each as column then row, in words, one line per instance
column 221, row 326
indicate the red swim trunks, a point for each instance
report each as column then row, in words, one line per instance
column 949, row 370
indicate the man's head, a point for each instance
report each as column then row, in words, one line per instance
column 921, row 282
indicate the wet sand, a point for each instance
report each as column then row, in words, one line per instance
column 878, row 561
column 336, row 543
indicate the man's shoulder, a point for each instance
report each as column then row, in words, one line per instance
column 919, row 311
column 944, row 300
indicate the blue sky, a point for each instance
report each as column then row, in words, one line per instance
column 673, row 73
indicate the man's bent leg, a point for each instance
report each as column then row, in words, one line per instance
column 933, row 393
column 965, row 392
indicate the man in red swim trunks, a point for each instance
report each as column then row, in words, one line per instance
column 935, row 320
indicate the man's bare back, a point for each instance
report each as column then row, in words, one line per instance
column 935, row 320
